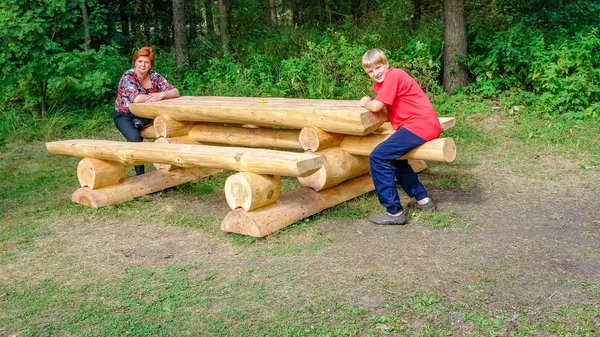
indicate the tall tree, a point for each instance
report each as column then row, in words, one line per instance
column 418, row 12
column 295, row 13
column 193, row 18
column 455, row 45
column 356, row 11
column 181, row 48
column 124, row 19
column 224, row 10
column 210, row 21
column 86, row 25
column 273, row 11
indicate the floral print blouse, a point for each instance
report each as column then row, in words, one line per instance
column 130, row 88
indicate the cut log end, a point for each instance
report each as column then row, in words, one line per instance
column 250, row 191
column 166, row 126
column 309, row 139
column 449, row 150
column 237, row 221
column 97, row 173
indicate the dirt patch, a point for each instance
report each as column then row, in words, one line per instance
column 531, row 242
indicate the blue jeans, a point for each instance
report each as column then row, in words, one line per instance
column 124, row 122
column 386, row 170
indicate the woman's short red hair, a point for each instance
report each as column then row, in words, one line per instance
column 144, row 51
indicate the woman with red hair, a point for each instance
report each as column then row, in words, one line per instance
column 138, row 85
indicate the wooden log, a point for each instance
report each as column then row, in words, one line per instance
column 441, row 149
column 149, row 132
column 173, row 140
column 251, row 191
column 417, row 165
column 446, row 123
column 259, row 161
column 346, row 117
column 166, row 126
column 292, row 207
column 315, row 139
column 338, row 166
column 245, row 136
column 97, row 173
column 137, row 186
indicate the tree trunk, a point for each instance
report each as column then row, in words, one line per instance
column 267, row 12
column 418, row 11
column 295, row 13
column 124, row 18
column 224, row 24
column 180, row 32
column 84, row 15
column 273, row 12
column 356, row 11
column 191, row 18
column 455, row 45
column 210, row 21
column 139, row 34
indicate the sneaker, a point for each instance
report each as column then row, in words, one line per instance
column 429, row 206
column 386, row 219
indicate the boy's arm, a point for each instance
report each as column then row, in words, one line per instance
column 371, row 104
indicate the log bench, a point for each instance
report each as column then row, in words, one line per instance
column 259, row 161
column 262, row 139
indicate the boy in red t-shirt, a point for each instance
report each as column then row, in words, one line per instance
column 412, row 116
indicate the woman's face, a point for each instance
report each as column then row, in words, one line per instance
column 143, row 65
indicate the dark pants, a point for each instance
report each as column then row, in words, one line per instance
column 386, row 170
column 124, row 122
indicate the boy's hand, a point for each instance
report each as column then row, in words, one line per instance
column 364, row 101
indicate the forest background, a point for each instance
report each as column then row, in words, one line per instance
column 62, row 59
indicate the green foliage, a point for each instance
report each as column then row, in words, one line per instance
column 46, row 71
column 331, row 68
column 567, row 76
column 573, row 15
column 559, row 68
column 419, row 59
column 40, row 58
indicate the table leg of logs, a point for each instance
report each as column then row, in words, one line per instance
column 166, row 126
column 293, row 206
column 97, row 173
column 315, row 139
column 338, row 166
column 139, row 185
column 417, row 165
column 251, row 191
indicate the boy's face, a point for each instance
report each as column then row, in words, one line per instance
column 377, row 72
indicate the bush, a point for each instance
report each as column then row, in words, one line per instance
column 563, row 74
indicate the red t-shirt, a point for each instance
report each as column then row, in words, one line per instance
column 407, row 105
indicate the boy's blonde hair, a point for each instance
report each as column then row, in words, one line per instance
column 373, row 57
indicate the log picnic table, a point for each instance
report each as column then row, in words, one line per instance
column 196, row 137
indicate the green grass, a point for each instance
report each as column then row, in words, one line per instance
column 193, row 300
column 271, row 296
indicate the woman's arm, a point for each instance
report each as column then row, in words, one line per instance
column 159, row 96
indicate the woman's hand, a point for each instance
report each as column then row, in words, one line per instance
column 155, row 96
column 159, row 96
